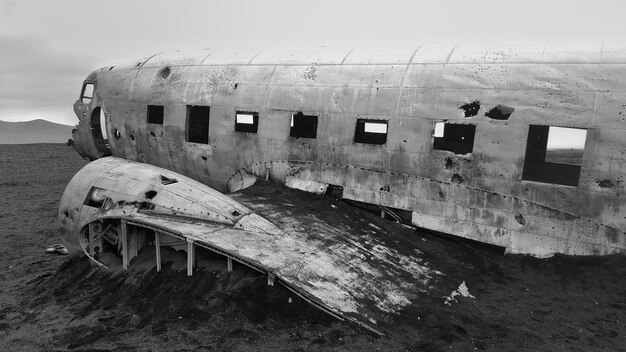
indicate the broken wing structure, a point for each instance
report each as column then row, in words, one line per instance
column 114, row 205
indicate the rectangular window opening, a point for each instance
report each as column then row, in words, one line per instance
column 554, row 154
column 370, row 131
column 198, row 124
column 155, row 114
column 303, row 126
column 456, row 138
column 247, row 122
column 87, row 93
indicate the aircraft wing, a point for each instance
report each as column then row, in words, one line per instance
column 338, row 260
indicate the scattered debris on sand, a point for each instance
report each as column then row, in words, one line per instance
column 462, row 291
column 57, row 248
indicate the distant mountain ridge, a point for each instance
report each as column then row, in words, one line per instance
column 35, row 131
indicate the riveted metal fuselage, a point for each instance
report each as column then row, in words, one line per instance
column 481, row 195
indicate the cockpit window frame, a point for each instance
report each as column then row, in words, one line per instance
column 83, row 97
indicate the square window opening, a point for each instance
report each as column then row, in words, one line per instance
column 456, row 138
column 247, row 122
column 370, row 131
column 303, row 126
column 554, row 154
column 198, row 124
column 155, row 114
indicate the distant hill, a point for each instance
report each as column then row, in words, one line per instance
column 35, row 131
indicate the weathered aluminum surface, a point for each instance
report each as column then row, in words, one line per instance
column 353, row 275
column 580, row 85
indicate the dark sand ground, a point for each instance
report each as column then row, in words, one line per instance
column 54, row 303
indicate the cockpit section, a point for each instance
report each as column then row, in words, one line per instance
column 90, row 136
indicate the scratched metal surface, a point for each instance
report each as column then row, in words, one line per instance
column 354, row 275
column 580, row 85
column 361, row 273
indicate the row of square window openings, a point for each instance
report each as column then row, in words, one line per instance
column 458, row 138
column 302, row 126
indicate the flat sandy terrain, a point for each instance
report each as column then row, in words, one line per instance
column 56, row 303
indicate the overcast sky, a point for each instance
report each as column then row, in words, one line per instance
column 48, row 47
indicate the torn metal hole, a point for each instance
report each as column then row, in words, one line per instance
column 456, row 178
column 150, row 194
column 450, row 163
column 146, row 206
column 520, row 219
column 605, row 184
column 500, row 112
column 334, row 191
column 165, row 72
column 167, row 181
column 471, row 109
column 235, row 213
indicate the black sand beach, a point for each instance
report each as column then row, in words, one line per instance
column 56, row 303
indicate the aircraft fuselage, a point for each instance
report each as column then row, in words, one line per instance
column 519, row 147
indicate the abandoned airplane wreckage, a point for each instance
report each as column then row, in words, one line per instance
column 520, row 147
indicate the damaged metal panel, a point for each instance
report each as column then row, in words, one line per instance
column 499, row 89
column 350, row 274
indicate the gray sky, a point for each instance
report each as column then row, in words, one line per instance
column 48, row 47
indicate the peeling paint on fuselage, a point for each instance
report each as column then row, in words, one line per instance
column 480, row 196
